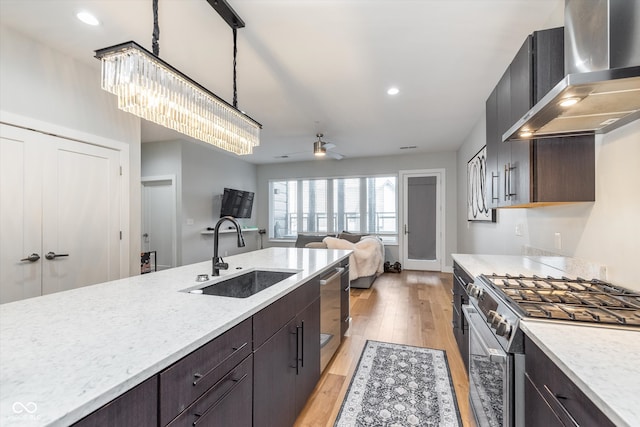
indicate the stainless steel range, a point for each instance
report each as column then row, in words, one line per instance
column 498, row 303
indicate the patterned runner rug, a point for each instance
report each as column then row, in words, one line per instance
column 399, row 385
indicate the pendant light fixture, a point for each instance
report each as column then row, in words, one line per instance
column 152, row 89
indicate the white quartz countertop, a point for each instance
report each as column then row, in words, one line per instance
column 603, row 362
column 64, row 355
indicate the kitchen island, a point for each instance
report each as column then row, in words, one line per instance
column 600, row 360
column 64, row 355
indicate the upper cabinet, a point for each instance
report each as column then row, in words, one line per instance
column 536, row 172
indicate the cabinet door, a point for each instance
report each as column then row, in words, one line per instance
column 521, row 100
column 521, row 84
column 504, row 149
column 564, row 169
column 307, row 352
column 274, row 383
column 137, row 407
column 548, row 61
column 493, row 146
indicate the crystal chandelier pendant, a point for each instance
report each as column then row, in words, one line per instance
column 153, row 90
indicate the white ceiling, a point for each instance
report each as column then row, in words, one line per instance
column 309, row 66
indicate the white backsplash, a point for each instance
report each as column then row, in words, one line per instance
column 572, row 266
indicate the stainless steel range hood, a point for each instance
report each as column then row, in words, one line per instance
column 602, row 62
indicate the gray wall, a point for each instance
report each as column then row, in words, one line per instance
column 201, row 173
column 368, row 166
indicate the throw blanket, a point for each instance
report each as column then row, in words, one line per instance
column 367, row 258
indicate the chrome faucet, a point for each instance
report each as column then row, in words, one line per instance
column 218, row 262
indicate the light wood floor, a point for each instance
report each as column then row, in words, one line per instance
column 413, row 308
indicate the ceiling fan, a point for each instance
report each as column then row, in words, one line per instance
column 320, row 149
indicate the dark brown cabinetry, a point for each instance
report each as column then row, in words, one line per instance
column 530, row 172
column 460, row 327
column 137, row 407
column 551, row 398
column 287, row 363
column 345, row 286
column 274, row 382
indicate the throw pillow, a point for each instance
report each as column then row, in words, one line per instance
column 353, row 238
column 303, row 239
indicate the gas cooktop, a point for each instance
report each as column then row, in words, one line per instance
column 580, row 300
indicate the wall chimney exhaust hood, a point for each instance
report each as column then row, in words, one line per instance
column 601, row 89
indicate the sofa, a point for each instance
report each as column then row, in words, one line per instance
column 366, row 262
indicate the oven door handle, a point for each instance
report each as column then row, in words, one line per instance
column 495, row 355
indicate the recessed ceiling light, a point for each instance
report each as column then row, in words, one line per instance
column 87, row 18
column 393, row 91
column 525, row 134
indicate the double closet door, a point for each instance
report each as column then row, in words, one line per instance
column 59, row 214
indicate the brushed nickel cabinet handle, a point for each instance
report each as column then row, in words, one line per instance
column 496, row 177
column 198, row 376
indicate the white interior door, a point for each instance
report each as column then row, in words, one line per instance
column 20, row 215
column 422, row 218
column 81, row 205
column 159, row 220
column 57, row 197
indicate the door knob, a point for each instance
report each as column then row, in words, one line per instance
column 31, row 258
column 52, row 255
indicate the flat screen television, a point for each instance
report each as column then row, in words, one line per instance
column 236, row 203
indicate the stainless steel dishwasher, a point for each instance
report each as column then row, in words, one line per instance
column 330, row 292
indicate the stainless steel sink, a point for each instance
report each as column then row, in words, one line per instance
column 246, row 284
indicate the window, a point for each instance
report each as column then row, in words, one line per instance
column 366, row 205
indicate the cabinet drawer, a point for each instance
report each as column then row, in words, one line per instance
column 227, row 403
column 559, row 391
column 189, row 378
column 270, row 319
column 137, row 407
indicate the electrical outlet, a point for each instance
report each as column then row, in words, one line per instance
column 519, row 229
column 557, row 241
